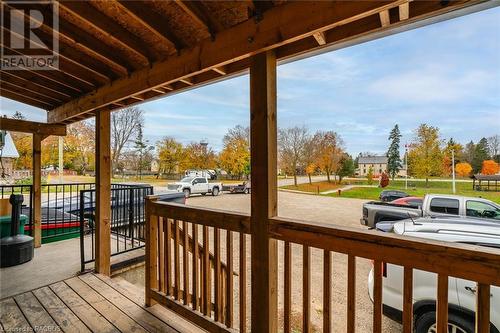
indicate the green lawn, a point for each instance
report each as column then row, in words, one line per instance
column 418, row 188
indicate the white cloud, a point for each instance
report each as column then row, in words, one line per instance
column 434, row 84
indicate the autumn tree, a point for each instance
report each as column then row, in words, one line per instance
column 198, row 156
column 329, row 152
column 463, row 169
column 425, row 157
column 292, row 143
column 469, row 150
column 494, row 147
column 23, row 143
column 170, row 155
column 480, row 154
column 489, row 167
column 124, row 127
column 235, row 156
column 393, row 158
column 79, row 147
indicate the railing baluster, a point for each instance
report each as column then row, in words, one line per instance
column 229, row 284
column 351, row 293
column 377, row 296
column 161, row 255
column 327, row 285
column 408, row 300
column 243, row 283
column 196, row 277
column 306, row 289
column 442, row 304
column 483, row 308
column 177, row 272
column 217, row 275
column 185, row 261
column 288, row 288
column 167, row 227
column 207, row 274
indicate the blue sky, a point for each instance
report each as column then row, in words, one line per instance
column 446, row 74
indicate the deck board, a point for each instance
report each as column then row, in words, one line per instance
column 113, row 314
column 61, row 314
column 85, row 304
column 12, row 318
column 34, row 312
column 82, row 309
column 147, row 320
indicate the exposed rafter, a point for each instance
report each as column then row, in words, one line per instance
column 109, row 28
column 404, row 11
column 196, row 10
column 384, row 18
column 153, row 21
column 320, row 37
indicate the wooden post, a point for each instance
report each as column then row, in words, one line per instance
column 103, row 193
column 151, row 268
column 263, row 139
column 37, row 189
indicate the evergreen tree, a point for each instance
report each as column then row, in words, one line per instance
column 480, row 154
column 143, row 152
column 346, row 167
column 393, row 159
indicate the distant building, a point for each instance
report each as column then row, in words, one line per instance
column 377, row 163
column 8, row 157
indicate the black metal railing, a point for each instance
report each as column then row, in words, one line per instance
column 127, row 220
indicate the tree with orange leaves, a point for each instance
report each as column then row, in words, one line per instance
column 463, row 169
column 490, row 167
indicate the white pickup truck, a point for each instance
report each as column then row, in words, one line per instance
column 432, row 205
column 195, row 185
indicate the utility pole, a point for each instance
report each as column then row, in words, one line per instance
column 453, row 169
column 406, row 166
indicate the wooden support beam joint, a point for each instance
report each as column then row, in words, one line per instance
column 384, row 18
column 25, row 126
column 320, row 37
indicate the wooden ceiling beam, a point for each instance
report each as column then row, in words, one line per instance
column 108, row 27
column 24, row 126
column 221, row 70
column 54, row 80
column 30, row 88
column 288, row 27
column 404, row 11
column 31, row 94
column 320, row 37
column 11, row 76
column 187, row 80
column 153, row 21
column 25, row 99
column 103, row 59
column 197, row 11
column 384, row 18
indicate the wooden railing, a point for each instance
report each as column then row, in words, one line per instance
column 208, row 300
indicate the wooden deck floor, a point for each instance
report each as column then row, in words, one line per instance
column 88, row 303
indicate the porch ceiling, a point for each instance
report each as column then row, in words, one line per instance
column 118, row 53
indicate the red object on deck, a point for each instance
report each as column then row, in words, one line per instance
column 69, row 224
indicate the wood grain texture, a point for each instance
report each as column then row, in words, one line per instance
column 351, row 293
column 408, row 300
column 442, row 304
column 377, row 296
column 483, row 298
column 327, row 286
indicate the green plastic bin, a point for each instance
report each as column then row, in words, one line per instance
column 5, row 225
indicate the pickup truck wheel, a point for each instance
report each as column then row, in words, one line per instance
column 187, row 193
column 203, row 194
column 426, row 323
column 215, row 191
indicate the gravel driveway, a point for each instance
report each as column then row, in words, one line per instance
column 340, row 211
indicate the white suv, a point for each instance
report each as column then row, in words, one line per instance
column 461, row 293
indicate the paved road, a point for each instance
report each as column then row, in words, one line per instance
column 330, row 210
